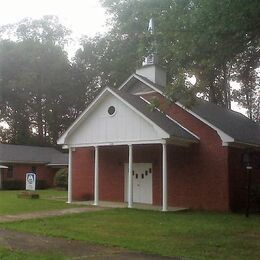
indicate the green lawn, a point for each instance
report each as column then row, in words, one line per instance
column 8, row 254
column 199, row 235
column 11, row 204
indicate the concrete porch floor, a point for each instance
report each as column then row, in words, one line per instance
column 111, row 204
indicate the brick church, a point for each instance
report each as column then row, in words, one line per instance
column 123, row 150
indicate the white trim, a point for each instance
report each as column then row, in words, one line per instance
column 62, row 139
column 172, row 119
column 126, row 81
column 96, row 181
column 156, row 141
column 164, row 177
column 134, row 75
column 23, row 162
column 148, row 84
column 143, row 93
column 57, row 164
column 130, row 176
column 223, row 136
column 70, row 177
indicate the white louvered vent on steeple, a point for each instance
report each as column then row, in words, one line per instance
column 150, row 69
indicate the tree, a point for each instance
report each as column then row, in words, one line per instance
column 36, row 82
column 205, row 38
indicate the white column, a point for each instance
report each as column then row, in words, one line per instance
column 164, row 173
column 70, row 177
column 130, row 177
column 96, row 185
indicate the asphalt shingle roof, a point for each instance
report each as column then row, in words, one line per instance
column 31, row 154
column 159, row 118
column 236, row 125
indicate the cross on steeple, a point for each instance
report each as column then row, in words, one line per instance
column 152, row 57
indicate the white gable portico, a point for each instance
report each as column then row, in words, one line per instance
column 117, row 118
column 112, row 121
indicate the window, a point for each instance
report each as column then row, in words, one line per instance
column 10, row 171
column 111, row 111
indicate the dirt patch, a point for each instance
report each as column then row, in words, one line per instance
column 73, row 249
column 45, row 214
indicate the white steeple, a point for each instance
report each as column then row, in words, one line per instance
column 150, row 69
column 152, row 57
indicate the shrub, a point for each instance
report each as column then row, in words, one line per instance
column 61, row 178
column 13, row 185
column 41, row 184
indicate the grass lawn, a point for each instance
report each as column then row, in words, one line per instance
column 9, row 254
column 199, row 235
column 11, row 204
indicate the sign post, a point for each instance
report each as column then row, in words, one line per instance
column 30, row 181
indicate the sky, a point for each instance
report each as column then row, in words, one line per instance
column 83, row 17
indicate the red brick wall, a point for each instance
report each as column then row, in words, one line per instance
column 83, row 173
column 202, row 181
column 111, row 171
column 197, row 175
column 42, row 173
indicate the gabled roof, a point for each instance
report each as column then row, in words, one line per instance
column 161, row 119
column 31, row 154
column 231, row 125
column 136, row 103
column 236, row 125
column 135, row 77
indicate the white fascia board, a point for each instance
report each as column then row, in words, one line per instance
column 117, row 143
column 242, row 144
column 142, row 80
column 223, row 136
column 187, row 130
column 23, row 162
column 62, row 139
column 126, row 81
column 148, row 84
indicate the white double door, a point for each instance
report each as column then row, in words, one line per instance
column 142, row 182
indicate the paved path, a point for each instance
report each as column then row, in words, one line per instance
column 44, row 214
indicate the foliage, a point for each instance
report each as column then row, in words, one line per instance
column 217, row 41
column 39, row 90
column 61, row 178
column 41, row 184
column 42, row 92
column 13, row 185
column 198, row 235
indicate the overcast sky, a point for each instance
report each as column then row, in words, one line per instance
column 83, row 17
